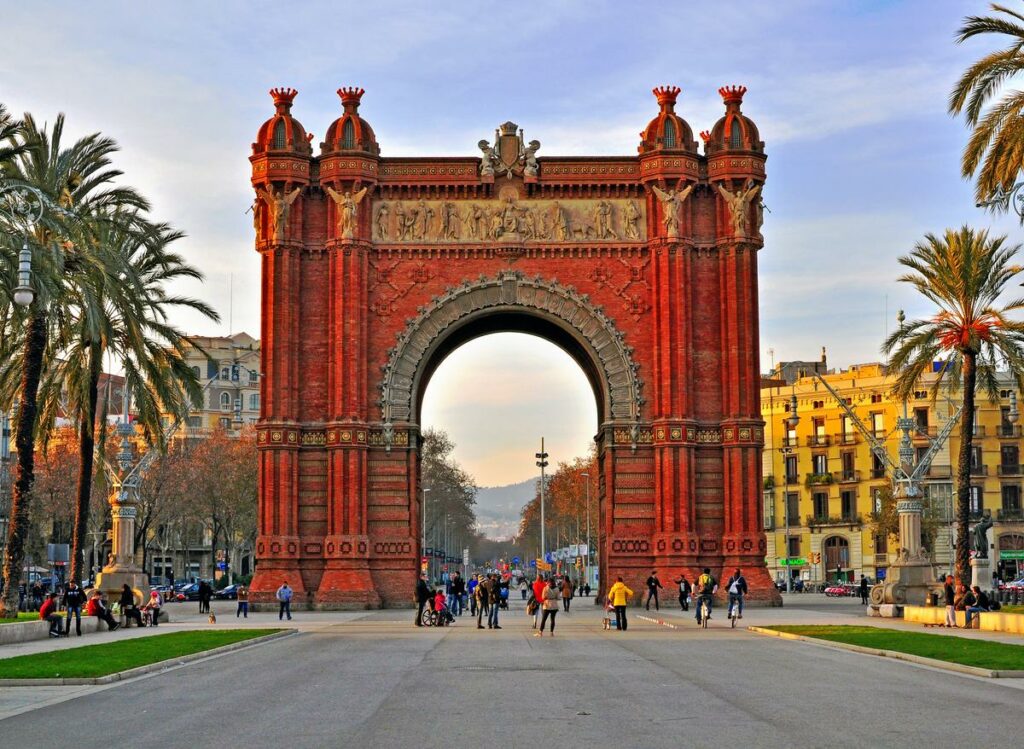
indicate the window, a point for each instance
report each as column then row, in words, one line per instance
column 790, row 436
column 920, row 394
column 876, row 398
column 197, row 372
column 252, row 377
column 877, row 467
column 792, row 477
column 1004, row 393
column 877, row 502
column 820, row 463
column 919, row 453
column 881, row 543
column 1005, row 425
column 736, row 135
column 849, row 504
column 921, row 417
column 820, row 506
column 975, row 500
column 819, row 431
column 225, row 401
column 225, row 372
column 817, row 404
column 1011, row 498
column 793, row 546
column 280, row 136
column 846, row 425
column 792, row 509
column 878, row 423
column 1009, row 457
column 348, row 135
column 670, row 134
column 225, row 423
column 254, row 402
column 195, row 422
column 769, row 510
column 847, row 459
column 975, row 458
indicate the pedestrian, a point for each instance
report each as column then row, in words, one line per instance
column 949, row 592
column 538, row 592
column 152, row 608
column 37, row 595
column 523, row 587
column 48, row 613
column 74, row 599
column 863, row 590
column 567, row 591
column 284, row 597
column 737, row 589
column 653, row 583
column 619, row 596
column 243, row 602
column 684, row 591
column 22, row 596
column 97, row 607
column 549, row 606
column 458, row 591
column 129, row 608
column 471, row 591
column 494, row 600
column 422, row 596
column 980, row 603
column 205, row 592
column 586, row 589
column 483, row 606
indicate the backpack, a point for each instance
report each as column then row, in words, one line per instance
column 706, row 584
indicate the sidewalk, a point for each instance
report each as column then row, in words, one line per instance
column 812, row 608
column 185, row 616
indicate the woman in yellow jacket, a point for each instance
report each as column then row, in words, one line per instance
column 619, row 596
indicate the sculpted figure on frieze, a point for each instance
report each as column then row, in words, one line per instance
column 671, row 203
column 279, row 204
column 738, row 203
column 603, row 224
column 347, row 210
column 383, row 215
column 630, row 226
column 450, row 221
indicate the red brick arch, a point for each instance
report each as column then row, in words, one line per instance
column 375, row 268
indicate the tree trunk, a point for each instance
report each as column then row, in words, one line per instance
column 86, row 455
column 963, row 479
column 24, row 440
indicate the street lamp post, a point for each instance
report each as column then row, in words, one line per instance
column 586, row 475
column 423, row 527
column 542, row 463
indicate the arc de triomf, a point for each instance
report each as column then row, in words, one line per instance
column 643, row 268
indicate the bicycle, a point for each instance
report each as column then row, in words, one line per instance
column 704, row 612
column 734, row 614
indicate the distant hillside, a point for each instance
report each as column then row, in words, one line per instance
column 498, row 508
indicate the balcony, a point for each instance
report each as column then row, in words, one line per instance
column 792, row 479
column 924, row 433
column 820, row 520
column 788, row 441
column 847, row 477
column 979, row 470
column 1008, row 430
column 847, row 438
column 819, row 479
column 878, row 473
column 940, row 472
column 1009, row 514
column 1009, row 469
column 817, row 440
column 979, row 430
column 881, row 559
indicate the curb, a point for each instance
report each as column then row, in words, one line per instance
column 662, row 622
column 147, row 669
column 894, row 654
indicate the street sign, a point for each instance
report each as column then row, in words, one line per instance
column 465, row 556
column 543, row 566
column 533, row 562
column 793, row 562
column 222, row 566
column 1011, row 554
column 429, row 551
column 515, row 560
column 549, row 558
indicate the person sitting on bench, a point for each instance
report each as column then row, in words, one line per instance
column 48, row 612
column 981, row 603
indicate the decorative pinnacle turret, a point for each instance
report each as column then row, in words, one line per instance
column 666, row 96
column 283, row 98
column 705, row 136
column 350, row 97
column 732, row 94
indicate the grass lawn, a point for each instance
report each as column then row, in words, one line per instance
column 1012, row 609
column 978, row 653
column 23, row 616
column 92, row 661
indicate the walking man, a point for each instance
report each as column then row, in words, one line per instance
column 458, row 591
column 653, row 583
column 482, row 601
column 494, row 600
column 74, row 598
column 863, row 590
column 422, row 596
column 619, row 596
column 284, row 597
column 950, row 594
column 243, row 602
column 684, row 591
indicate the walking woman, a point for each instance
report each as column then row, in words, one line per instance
column 567, row 588
column 551, row 596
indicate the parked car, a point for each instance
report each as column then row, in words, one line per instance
column 1017, row 585
column 230, row 593
column 189, row 592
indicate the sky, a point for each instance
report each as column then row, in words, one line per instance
column 850, row 98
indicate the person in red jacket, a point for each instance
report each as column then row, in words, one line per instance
column 48, row 612
column 538, row 593
column 96, row 607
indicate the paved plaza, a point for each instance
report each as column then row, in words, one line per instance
column 371, row 679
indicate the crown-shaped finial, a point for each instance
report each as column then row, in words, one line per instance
column 283, row 98
column 350, row 97
column 732, row 94
column 666, row 95
column 705, row 136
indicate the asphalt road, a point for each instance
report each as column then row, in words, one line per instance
column 379, row 682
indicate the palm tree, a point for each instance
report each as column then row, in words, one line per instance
column 963, row 273
column 996, row 147
column 76, row 183
column 123, row 312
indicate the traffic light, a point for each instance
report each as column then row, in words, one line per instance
column 815, row 557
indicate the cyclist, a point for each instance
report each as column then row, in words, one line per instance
column 737, row 588
column 706, row 586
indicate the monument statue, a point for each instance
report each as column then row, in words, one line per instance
column 279, row 204
column 738, row 202
column 530, row 156
column 671, row 202
column 487, row 159
column 348, row 205
column 981, row 537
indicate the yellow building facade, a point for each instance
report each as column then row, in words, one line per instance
column 821, row 479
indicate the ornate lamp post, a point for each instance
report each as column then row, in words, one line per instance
column 586, row 475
